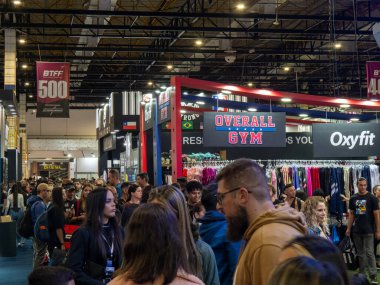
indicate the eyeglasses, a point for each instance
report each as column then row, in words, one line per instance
column 220, row 196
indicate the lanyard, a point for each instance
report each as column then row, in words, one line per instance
column 110, row 246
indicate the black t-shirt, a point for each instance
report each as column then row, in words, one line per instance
column 363, row 207
column 56, row 220
column 70, row 204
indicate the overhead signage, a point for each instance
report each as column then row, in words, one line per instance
column 52, row 166
column 149, row 113
column 103, row 121
column 373, row 79
column 250, row 129
column 109, row 143
column 298, row 146
column 346, row 140
column 53, row 87
column 164, row 106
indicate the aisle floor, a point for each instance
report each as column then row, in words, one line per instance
column 15, row 270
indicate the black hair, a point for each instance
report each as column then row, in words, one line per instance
column 193, row 185
column 125, row 185
column 51, row 275
column 288, row 186
column 95, row 203
column 132, row 189
column 146, row 192
column 302, row 195
column 15, row 190
column 143, row 175
column 318, row 192
column 209, row 200
column 57, row 197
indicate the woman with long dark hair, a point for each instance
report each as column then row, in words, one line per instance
column 96, row 246
column 15, row 206
column 56, row 221
column 154, row 252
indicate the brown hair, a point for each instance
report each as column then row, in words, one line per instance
column 175, row 200
column 153, row 247
column 246, row 173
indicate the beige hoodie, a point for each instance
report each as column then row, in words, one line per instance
column 182, row 278
column 264, row 239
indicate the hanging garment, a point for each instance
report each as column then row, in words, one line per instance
column 309, row 182
column 315, row 178
column 367, row 175
column 274, row 179
column 322, row 172
column 346, row 177
column 336, row 207
column 296, row 180
column 375, row 177
column 285, row 174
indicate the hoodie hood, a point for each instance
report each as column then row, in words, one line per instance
column 281, row 215
column 212, row 216
column 32, row 199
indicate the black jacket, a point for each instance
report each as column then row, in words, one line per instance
column 83, row 252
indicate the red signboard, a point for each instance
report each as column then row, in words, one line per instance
column 53, row 87
column 373, row 79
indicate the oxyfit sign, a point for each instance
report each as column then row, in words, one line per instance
column 346, row 140
column 244, row 129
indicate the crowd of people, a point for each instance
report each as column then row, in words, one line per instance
column 233, row 231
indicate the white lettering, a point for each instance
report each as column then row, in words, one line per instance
column 365, row 138
column 185, row 140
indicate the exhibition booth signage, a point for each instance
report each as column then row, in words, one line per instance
column 373, row 79
column 250, row 129
column 346, row 140
column 298, row 146
column 53, row 87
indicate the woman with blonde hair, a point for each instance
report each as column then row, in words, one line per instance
column 315, row 212
column 200, row 255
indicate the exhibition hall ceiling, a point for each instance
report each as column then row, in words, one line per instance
column 316, row 47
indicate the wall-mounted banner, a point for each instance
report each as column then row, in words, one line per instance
column 251, row 129
column 373, row 79
column 53, row 87
column 164, row 105
column 346, row 140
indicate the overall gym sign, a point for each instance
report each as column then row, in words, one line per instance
column 346, row 140
column 251, row 129
column 53, row 86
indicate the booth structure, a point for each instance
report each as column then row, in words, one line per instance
column 168, row 105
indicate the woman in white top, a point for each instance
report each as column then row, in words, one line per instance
column 15, row 208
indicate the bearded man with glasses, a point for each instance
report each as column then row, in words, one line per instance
column 243, row 196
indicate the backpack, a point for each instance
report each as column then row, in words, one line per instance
column 25, row 224
column 41, row 229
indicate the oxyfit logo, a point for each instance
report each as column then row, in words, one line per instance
column 365, row 138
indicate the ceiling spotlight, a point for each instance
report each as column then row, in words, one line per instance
column 252, row 109
column 69, row 155
column 27, row 83
column 286, row 68
column 185, row 93
column 337, row 45
column 286, row 100
column 226, row 91
column 200, row 102
column 201, row 94
column 303, row 115
column 183, row 111
column 354, row 119
column 250, row 84
column 30, row 96
column 169, row 66
column 240, row 6
column 22, row 41
column 150, row 83
column 93, row 155
column 157, row 91
column 16, row 2
column 198, row 42
column 163, row 87
column 344, row 106
column 24, row 66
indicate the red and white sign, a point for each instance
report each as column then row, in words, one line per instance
column 53, row 87
column 373, row 79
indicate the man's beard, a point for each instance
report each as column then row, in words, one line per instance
column 237, row 225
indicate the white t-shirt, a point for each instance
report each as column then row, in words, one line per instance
column 9, row 204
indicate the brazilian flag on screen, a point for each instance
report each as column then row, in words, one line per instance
column 187, row 125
